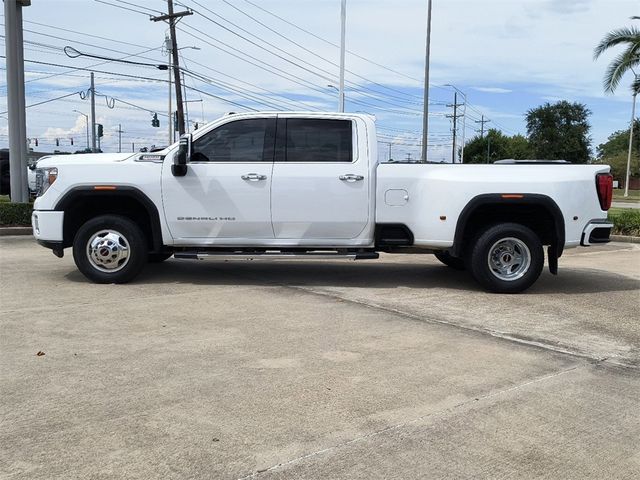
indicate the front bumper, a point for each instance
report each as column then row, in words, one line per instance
column 596, row 232
column 47, row 225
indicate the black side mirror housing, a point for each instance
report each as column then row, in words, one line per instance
column 180, row 160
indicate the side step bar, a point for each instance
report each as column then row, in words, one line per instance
column 276, row 255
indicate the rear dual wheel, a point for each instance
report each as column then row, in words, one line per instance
column 506, row 258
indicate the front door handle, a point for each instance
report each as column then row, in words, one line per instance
column 350, row 177
column 253, row 177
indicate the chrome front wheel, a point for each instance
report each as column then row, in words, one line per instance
column 108, row 251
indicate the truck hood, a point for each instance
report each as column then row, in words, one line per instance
column 82, row 159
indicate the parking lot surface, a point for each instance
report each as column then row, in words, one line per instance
column 396, row 368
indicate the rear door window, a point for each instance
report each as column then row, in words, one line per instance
column 318, row 140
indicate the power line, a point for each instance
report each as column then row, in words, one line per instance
column 323, row 71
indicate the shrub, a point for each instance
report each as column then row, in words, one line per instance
column 626, row 222
column 15, row 214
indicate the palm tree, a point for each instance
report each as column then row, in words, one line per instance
column 621, row 64
column 625, row 61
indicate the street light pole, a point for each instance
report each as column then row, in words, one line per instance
column 343, row 22
column 633, row 117
column 425, row 113
column 87, row 121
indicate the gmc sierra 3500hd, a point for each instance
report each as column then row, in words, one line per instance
column 300, row 184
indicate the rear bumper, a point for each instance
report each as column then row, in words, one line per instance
column 47, row 225
column 596, row 232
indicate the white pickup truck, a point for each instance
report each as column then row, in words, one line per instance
column 300, row 184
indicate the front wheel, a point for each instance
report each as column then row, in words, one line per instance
column 110, row 249
column 506, row 258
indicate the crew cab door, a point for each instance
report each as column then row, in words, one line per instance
column 320, row 187
column 226, row 191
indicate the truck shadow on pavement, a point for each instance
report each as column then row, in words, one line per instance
column 378, row 275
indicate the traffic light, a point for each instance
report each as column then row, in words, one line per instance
column 57, row 142
column 71, row 141
column 100, row 130
column 154, row 121
column 36, row 142
column 195, row 126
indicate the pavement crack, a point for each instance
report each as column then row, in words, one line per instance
column 509, row 337
column 398, row 426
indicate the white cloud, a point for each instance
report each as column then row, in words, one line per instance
column 492, row 89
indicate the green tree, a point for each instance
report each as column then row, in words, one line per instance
column 560, row 131
column 614, row 152
column 625, row 61
column 495, row 146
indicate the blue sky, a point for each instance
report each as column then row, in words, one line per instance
column 506, row 56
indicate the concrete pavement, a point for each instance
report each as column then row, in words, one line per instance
column 400, row 368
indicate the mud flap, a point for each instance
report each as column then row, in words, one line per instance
column 552, row 256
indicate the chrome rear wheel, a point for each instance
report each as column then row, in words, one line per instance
column 509, row 259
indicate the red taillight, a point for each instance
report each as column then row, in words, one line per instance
column 604, row 185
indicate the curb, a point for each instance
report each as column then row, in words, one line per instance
column 7, row 231
column 625, row 238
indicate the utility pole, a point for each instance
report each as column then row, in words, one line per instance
column 171, row 17
column 408, row 156
column 488, row 147
column 15, row 99
column 633, row 119
column 133, row 147
column 425, row 113
column 455, row 116
column 390, row 150
column 170, row 112
column 343, row 26
column 482, row 122
column 120, row 132
column 455, row 120
column 93, row 115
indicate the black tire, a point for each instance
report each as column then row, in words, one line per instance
column 506, row 244
column 159, row 257
column 456, row 263
column 109, row 264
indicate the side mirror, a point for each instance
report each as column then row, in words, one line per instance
column 180, row 160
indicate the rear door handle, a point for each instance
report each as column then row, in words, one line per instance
column 350, row 177
column 253, row 177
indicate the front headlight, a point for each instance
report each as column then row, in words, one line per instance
column 45, row 178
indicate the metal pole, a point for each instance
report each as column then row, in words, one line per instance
column 343, row 24
column 176, row 67
column 15, row 99
column 170, row 122
column 24, row 149
column 425, row 114
column 93, row 115
column 390, row 150
column 455, row 117
column 633, row 117
column 464, row 128
column 119, row 138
